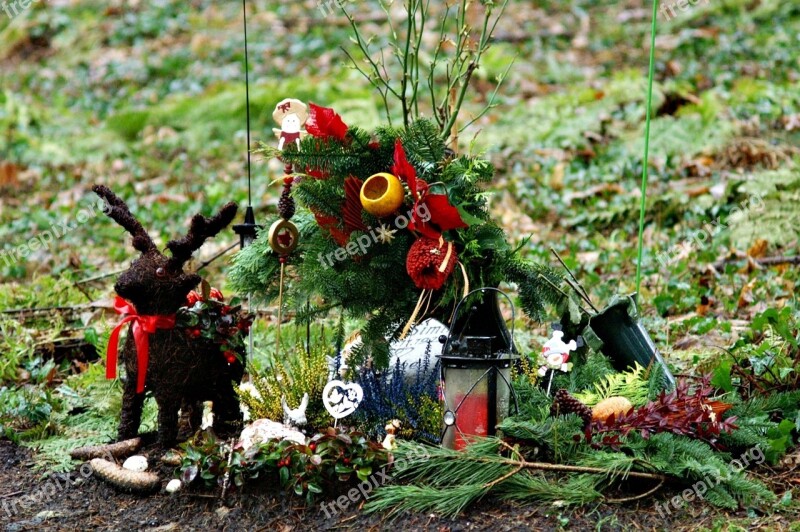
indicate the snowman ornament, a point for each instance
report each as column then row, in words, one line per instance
column 555, row 356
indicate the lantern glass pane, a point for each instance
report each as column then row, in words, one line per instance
column 468, row 392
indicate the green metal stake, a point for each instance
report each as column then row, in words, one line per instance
column 646, row 144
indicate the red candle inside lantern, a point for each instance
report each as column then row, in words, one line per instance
column 472, row 420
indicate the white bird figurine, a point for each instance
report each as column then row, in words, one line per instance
column 295, row 418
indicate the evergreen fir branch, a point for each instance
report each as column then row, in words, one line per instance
column 536, row 284
column 424, row 148
column 595, row 368
column 786, row 402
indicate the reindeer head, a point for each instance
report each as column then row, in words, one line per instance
column 155, row 283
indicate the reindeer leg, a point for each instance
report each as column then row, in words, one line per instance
column 131, row 416
column 227, row 415
column 191, row 418
column 167, row 421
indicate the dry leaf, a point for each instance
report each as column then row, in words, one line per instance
column 9, row 175
column 758, row 249
column 746, row 295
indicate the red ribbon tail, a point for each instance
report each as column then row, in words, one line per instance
column 113, row 349
column 142, row 340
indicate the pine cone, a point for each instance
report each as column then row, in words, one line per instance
column 286, row 207
column 564, row 403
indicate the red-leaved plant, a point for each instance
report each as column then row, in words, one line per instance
column 686, row 412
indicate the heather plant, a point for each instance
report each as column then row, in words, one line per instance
column 298, row 374
column 394, row 394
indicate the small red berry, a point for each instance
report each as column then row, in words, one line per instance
column 313, row 446
column 192, row 298
column 346, row 461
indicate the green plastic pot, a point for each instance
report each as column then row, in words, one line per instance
column 618, row 333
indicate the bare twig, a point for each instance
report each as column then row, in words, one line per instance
column 766, row 261
column 639, row 496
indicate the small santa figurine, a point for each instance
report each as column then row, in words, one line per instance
column 291, row 115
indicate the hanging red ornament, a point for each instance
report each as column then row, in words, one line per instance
column 351, row 210
column 430, row 262
column 324, row 122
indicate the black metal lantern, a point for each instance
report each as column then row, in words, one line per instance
column 476, row 382
column 247, row 230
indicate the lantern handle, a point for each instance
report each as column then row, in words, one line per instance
column 483, row 289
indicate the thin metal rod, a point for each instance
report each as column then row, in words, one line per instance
column 215, row 257
column 247, row 99
column 582, row 291
column 646, row 156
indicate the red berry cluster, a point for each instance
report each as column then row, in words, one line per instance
column 226, row 326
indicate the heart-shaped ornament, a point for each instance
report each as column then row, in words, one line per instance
column 341, row 399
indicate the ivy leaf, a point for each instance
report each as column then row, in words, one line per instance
column 721, row 377
column 189, row 474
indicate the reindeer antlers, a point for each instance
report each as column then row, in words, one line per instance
column 119, row 212
column 201, row 229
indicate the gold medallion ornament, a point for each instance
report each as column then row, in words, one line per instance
column 283, row 237
column 382, row 194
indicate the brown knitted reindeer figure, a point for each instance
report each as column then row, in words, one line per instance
column 180, row 371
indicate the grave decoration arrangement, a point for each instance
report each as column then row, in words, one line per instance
column 392, row 227
column 392, row 224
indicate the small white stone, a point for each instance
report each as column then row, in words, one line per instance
column 174, row 486
column 136, row 463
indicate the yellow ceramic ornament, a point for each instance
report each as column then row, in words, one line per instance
column 382, row 194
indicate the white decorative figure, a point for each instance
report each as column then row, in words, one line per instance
column 555, row 356
column 391, row 435
column 295, row 418
column 291, row 115
column 341, row 399
column 263, row 430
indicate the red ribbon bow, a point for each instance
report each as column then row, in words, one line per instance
column 143, row 327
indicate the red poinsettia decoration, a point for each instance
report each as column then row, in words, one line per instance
column 331, row 225
column 432, row 214
column 324, row 122
column 430, row 262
